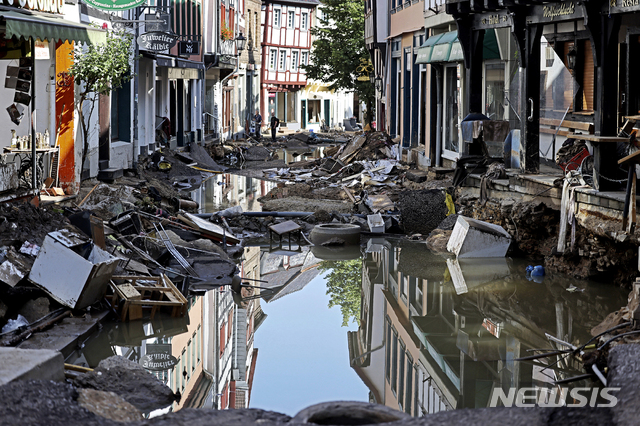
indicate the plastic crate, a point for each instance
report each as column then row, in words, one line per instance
column 575, row 161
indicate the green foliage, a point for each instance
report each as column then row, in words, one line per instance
column 103, row 67
column 98, row 69
column 343, row 285
column 339, row 49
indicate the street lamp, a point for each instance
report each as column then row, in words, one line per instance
column 378, row 83
column 240, row 42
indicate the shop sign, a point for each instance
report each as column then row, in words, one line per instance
column 189, row 47
column 183, row 74
column 621, row 6
column 42, row 50
column 157, row 41
column 493, row 20
column 554, row 12
column 51, row 6
column 112, row 5
column 158, row 361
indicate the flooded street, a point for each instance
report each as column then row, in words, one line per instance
column 392, row 324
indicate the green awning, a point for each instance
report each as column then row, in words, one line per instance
column 20, row 25
column 424, row 52
column 446, row 48
column 442, row 48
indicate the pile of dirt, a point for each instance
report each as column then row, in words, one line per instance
column 290, row 204
column 25, row 222
column 422, row 211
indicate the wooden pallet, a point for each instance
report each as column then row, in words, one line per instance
column 141, row 292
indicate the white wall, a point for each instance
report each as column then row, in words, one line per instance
column 44, row 109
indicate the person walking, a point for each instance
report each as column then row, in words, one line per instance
column 257, row 119
column 275, row 122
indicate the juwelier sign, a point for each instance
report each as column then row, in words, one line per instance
column 157, row 41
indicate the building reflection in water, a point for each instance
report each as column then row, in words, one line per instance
column 433, row 334
column 437, row 335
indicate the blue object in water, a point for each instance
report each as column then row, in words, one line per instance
column 529, row 269
column 538, row 271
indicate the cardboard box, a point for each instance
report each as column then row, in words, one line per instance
column 73, row 270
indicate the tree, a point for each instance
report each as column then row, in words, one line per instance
column 98, row 69
column 339, row 50
column 343, row 284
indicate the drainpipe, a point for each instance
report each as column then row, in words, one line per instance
column 438, row 70
column 136, row 71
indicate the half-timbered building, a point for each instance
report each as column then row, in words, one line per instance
column 286, row 47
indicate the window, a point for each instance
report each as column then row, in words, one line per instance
column 290, row 18
column 394, row 362
column 494, row 91
column 282, row 60
column 452, row 115
column 304, row 21
column 294, row 61
column 305, row 58
column 272, row 59
column 276, row 17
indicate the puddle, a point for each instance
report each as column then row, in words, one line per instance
column 391, row 323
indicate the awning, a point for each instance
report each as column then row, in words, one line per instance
column 20, row 25
column 446, row 48
column 440, row 48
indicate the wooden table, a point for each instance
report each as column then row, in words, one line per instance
column 289, row 227
column 601, row 159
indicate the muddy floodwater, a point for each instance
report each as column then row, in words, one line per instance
column 388, row 322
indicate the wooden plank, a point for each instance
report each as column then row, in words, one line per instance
column 87, row 196
column 598, row 139
column 349, row 194
column 577, row 125
column 97, row 232
column 630, row 159
column 129, row 292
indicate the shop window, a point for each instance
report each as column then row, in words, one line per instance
column 452, row 113
column 313, row 111
column 494, row 91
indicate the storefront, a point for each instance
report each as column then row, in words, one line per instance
column 38, row 96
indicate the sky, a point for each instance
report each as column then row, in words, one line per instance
column 303, row 356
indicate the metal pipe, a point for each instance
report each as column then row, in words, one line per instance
column 34, row 160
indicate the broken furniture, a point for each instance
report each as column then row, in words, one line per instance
column 131, row 294
column 285, row 228
column 376, row 223
column 629, row 213
column 474, row 238
column 208, row 229
column 72, row 269
column 603, row 160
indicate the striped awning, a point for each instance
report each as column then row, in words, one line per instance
column 20, row 25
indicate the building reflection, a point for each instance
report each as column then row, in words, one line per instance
column 437, row 335
column 213, row 343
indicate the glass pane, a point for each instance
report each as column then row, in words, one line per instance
column 452, row 119
column 494, row 91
